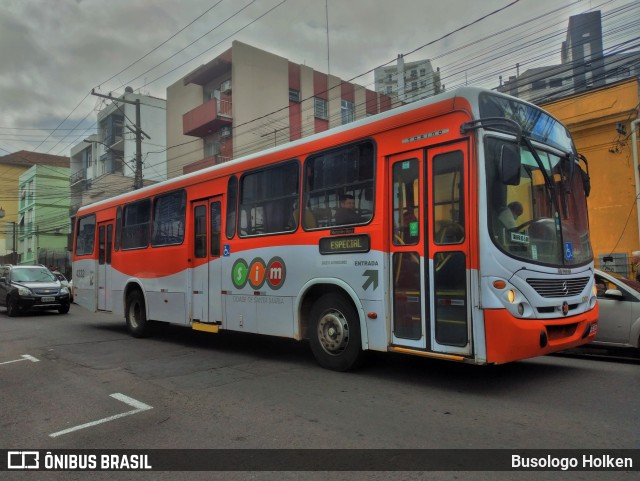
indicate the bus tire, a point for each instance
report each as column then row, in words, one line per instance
column 136, row 314
column 335, row 333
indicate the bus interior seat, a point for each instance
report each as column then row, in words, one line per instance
column 323, row 216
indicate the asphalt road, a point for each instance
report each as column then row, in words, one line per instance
column 62, row 377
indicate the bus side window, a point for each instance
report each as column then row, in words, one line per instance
column 232, row 200
column 339, row 186
column 268, row 198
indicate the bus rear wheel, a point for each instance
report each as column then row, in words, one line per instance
column 335, row 336
column 136, row 314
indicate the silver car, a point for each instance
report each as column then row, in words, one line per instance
column 619, row 301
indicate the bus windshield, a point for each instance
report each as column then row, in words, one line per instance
column 542, row 215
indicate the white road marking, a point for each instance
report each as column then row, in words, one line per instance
column 25, row 357
column 139, row 407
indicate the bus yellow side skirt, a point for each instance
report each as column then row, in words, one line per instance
column 404, row 350
column 199, row 326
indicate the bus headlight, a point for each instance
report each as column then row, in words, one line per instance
column 512, row 298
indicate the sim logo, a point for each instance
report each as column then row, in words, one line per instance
column 257, row 273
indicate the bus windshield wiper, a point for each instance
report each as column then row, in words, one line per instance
column 534, row 153
column 508, row 126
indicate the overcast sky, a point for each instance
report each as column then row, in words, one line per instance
column 53, row 52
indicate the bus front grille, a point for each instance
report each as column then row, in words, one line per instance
column 558, row 287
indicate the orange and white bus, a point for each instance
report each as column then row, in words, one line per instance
column 454, row 227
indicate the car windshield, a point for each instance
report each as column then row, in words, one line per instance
column 32, row 275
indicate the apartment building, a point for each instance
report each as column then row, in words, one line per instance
column 43, row 216
column 11, row 205
column 104, row 164
column 246, row 100
column 409, row 81
column 584, row 65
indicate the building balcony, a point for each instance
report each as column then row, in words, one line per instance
column 207, row 118
column 204, row 163
column 78, row 177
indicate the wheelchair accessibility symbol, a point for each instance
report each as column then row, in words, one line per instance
column 226, row 250
column 568, row 251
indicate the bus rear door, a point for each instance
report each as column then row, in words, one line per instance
column 206, row 302
column 105, row 247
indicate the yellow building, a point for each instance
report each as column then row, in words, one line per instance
column 11, row 167
column 600, row 122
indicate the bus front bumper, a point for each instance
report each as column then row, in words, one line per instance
column 510, row 339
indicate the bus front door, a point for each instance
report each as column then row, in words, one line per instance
column 429, row 249
column 448, row 211
column 105, row 247
column 206, row 280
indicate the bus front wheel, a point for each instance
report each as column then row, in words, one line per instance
column 335, row 336
column 136, row 314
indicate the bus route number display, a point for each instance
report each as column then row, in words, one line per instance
column 345, row 244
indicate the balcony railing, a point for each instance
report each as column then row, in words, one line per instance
column 78, row 176
column 207, row 118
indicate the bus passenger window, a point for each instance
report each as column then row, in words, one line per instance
column 339, row 187
column 268, row 198
column 232, row 199
column 135, row 227
column 169, row 212
column 85, row 235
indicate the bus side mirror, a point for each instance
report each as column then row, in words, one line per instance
column 510, row 164
column 586, row 182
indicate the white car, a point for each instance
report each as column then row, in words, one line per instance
column 65, row 283
column 619, row 302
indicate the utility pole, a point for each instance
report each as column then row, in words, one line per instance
column 137, row 180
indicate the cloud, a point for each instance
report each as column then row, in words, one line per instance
column 53, row 53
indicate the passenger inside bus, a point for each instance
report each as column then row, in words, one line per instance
column 309, row 221
column 346, row 213
column 510, row 214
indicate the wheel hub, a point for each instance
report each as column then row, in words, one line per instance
column 333, row 332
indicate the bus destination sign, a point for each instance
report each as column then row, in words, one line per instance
column 345, row 244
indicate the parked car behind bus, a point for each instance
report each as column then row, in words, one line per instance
column 26, row 288
column 65, row 283
column 619, row 301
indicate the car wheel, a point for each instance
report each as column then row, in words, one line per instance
column 12, row 307
column 136, row 315
column 335, row 336
column 64, row 308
